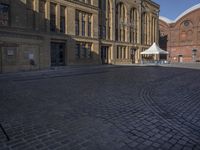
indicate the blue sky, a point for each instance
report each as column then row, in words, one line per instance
column 173, row 8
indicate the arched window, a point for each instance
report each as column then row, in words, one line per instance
column 144, row 28
column 133, row 25
column 121, row 22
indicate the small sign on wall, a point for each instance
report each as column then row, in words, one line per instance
column 10, row 51
column 30, row 56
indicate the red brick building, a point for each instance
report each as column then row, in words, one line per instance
column 181, row 37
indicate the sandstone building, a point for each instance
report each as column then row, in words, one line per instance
column 181, row 37
column 39, row 34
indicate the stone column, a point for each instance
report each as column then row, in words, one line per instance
column 119, row 24
column 58, row 17
column 153, row 29
column 113, row 18
column 86, row 24
column 150, row 30
column 66, row 20
column 139, row 34
column 70, row 20
column 156, row 30
column 80, row 23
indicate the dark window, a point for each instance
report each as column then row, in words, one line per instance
column 77, row 23
column 100, row 31
column 118, row 50
column 77, row 53
column 84, row 50
column 62, row 19
column 89, row 55
column 53, row 18
column 4, row 15
column 104, row 32
column 186, row 23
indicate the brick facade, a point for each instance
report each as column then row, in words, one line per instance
column 181, row 38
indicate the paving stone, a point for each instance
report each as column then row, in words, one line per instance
column 109, row 108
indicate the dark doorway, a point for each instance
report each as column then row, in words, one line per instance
column 104, row 54
column 57, row 54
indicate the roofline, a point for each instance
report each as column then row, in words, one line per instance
column 165, row 19
column 155, row 4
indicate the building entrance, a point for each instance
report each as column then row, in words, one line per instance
column 104, row 54
column 180, row 58
column 57, row 54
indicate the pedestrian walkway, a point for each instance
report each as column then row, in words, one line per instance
column 102, row 108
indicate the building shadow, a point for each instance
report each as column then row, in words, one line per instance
column 32, row 40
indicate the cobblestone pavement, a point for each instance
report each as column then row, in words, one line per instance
column 101, row 108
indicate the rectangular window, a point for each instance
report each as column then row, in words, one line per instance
column 116, row 34
column 62, row 19
column 84, row 50
column 52, row 17
column 124, row 52
column 77, row 23
column 77, row 53
column 4, row 15
column 118, row 52
column 89, row 49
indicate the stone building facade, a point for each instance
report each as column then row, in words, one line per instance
column 39, row 34
column 181, row 37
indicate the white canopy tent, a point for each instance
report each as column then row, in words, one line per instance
column 154, row 50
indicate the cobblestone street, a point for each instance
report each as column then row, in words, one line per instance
column 101, row 108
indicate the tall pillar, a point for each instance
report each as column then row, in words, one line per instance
column 135, row 27
column 156, row 28
column 86, row 24
column 150, row 28
column 139, row 27
column 80, row 23
column 113, row 18
column 148, row 31
column 127, row 37
column 106, row 21
column 66, row 21
column 119, row 25
column 153, row 31
column 58, row 17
